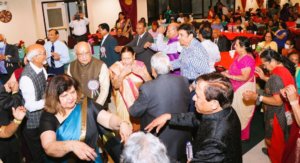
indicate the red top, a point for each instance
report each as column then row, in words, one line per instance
column 18, row 73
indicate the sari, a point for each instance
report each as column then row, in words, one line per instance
column 280, row 131
column 244, row 109
column 73, row 128
column 128, row 92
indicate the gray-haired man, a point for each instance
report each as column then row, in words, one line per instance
column 165, row 94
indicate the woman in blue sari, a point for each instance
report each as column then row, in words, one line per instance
column 69, row 124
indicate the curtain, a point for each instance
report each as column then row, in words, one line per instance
column 129, row 7
column 260, row 3
column 244, row 4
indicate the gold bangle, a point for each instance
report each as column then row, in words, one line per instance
column 17, row 121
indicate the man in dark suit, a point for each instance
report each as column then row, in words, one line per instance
column 9, row 59
column 107, row 46
column 222, row 42
column 166, row 94
column 138, row 43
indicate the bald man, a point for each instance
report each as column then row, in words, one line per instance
column 92, row 74
column 33, row 85
column 172, row 48
column 222, row 42
column 9, row 59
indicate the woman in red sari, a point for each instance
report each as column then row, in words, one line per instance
column 127, row 76
column 276, row 108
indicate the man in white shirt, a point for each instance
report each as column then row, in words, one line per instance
column 57, row 53
column 79, row 24
column 32, row 85
column 91, row 73
column 211, row 48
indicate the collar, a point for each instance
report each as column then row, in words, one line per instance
column 54, row 43
column 35, row 68
column 104, row 38
column 142, row 35
column 174, row 39
column 224, row 113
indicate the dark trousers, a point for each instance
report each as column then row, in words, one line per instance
column 9, row 150
column 32, row 138
column 56, row 71
column 81, row 38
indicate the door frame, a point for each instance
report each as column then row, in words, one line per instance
column 68, row 11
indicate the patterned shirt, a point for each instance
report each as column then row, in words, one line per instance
column 193, row 61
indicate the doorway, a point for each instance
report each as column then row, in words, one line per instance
column 58, row 14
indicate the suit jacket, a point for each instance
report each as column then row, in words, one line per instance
column 223, row 44
column 142, row 54
column 107, row 51
column 13, row 62
column 166, row 94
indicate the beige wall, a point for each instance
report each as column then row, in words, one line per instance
column 22, row 25
column 27, row 23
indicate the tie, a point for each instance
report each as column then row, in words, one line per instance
column 137, row 44
column 51, row 58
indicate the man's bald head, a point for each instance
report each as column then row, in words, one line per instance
column 83, row 52
column 172, row 30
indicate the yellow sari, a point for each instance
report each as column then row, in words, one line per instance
column 127, row 93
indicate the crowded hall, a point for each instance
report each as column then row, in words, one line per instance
column 148, row 81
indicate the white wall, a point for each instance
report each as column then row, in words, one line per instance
column 142, row 9
column 27, row 23
column 104, row 11
column 22, row 26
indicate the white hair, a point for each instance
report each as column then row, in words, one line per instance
column 160, row 63
column 144, row 148
column 32, row 53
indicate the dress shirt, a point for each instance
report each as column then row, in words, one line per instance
column 103, row 39
column 60, row 48
column 213, row 53
column 153, row 34
column 193, row 61
column 27, row 88
column 162, row 46
column 79, row 26
column 104, row 82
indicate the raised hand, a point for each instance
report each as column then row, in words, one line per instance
column 291, row 93
column 19, row 113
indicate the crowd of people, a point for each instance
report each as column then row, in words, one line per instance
column 160, row 80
